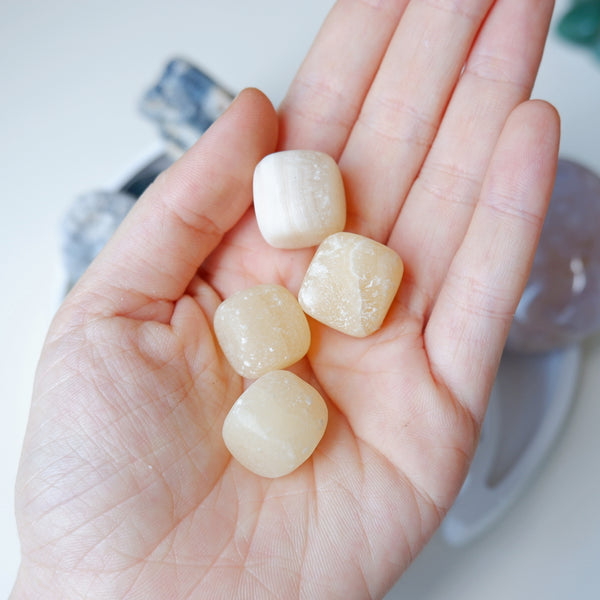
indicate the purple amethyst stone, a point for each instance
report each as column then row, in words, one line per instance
column 561, row 302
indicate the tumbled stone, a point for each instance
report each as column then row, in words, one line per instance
column 351, row 283
column 299, row 198
column 261, row 329
column 276, row 424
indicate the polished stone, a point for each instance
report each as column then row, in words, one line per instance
column 299, row 198
column 276, row 424
column 350, row 283
column 261, row 329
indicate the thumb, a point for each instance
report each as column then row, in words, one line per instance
column 184, row 214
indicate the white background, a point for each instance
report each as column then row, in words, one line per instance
column 72, row 74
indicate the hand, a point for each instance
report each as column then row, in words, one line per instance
column 125, row 487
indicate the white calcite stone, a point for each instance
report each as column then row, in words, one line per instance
column 261, row 329
column 351, row 283
column 276, row 424
column 299, row 198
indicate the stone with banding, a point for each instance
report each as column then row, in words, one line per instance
column 350, row 283
column 299, row 198
column 261, row 329
column 276, row 424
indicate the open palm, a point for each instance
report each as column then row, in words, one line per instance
column 126, row 489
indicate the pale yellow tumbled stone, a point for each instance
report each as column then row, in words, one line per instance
column 351, row 283
column 276, row 424
column 261, row 329
column 299, row 198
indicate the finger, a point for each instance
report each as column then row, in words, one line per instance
column 183, row 215
column 400, row 115
column 468, row 326
column 326, row 95
column 499, row 75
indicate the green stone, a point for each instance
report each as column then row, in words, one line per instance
column 581, row 24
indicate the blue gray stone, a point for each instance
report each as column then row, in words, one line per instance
column 184, row 103
column 89, row 223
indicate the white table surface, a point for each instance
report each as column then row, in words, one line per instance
column 72, row 74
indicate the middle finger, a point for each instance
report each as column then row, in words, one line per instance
column 401, row 113
column 498, row 75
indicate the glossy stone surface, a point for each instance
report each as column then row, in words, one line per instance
column 261, row 329
column 276, row 424
column 299, row 198
column 561, row 301
column 350, row 283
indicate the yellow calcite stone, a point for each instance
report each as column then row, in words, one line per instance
column 276, row 424
column 299, row 198
column 351, row 283
column 261, row 329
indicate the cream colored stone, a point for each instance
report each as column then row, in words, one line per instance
column 261, row 329
column 276, row 424
column 298, row 198
column 351, row 283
